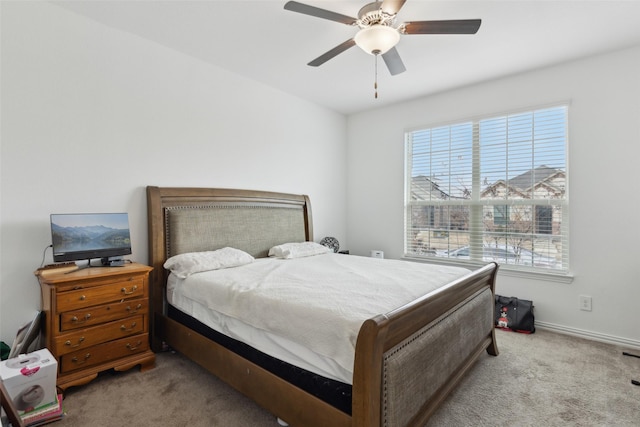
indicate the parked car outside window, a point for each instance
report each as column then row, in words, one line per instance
column 503, row 254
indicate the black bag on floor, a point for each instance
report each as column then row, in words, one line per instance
column 514, row 314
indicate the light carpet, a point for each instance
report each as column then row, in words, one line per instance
column 543, row 379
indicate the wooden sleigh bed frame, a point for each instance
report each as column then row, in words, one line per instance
column 407, row 361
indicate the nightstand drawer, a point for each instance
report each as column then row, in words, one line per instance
column 107, row 352
column 100, row 314
column 86, row 338
column 87, row 297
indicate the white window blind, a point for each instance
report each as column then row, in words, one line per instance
column 491, row 189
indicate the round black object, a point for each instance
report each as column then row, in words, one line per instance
column 331, row 242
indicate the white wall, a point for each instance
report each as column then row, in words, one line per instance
column 92, row 115
column 604, row 147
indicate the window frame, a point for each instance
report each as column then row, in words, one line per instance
column 477, row 205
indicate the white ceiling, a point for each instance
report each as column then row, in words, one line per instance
column 262, row 41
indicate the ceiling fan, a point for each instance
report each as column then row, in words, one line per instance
column 377, row 34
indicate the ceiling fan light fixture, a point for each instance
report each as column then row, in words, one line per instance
column 377, row 39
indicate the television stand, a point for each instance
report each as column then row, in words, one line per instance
column 88, row 265
column 113, row 262
column 104, row 262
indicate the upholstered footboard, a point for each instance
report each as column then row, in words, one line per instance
column 423, row 365
column 409, row 360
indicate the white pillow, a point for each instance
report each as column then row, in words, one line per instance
column 298, row 250
column 186, row 264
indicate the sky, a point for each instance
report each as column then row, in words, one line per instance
column 508, row 145
column 112, row 220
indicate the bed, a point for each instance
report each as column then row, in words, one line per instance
column 406, row 360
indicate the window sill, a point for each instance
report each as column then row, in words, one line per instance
column 502, row 271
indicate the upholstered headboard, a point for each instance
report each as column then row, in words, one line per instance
column 251, row 227
column 202, row 219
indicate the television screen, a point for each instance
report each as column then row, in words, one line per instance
column 87, row 236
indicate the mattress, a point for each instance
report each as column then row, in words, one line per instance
column 305, row 311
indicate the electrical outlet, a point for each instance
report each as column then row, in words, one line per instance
column 585, row 303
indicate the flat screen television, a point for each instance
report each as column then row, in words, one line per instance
column 86, row 236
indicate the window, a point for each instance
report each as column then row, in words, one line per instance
column 500, row 214
column 490, row 189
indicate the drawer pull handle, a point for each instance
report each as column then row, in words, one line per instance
column 133, row 289
column 68, row 342
column 86, row 317
column 83, row 297
column 134, row 311
column 132, row 348
column 80, row 362
column 124, row 328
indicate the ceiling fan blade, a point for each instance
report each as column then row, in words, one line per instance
column 458, row 26
column 333, row 52
column 294, row 6
column 393, row 61
column 392, row 6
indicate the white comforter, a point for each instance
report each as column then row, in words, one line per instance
column 317, row 302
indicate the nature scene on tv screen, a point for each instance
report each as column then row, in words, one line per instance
column 86, row 232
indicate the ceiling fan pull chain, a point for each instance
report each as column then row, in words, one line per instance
column 375, row 83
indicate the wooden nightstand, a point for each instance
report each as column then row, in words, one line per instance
column 97, row 319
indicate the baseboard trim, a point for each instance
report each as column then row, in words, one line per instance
column 594, row 336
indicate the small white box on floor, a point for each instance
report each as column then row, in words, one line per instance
column 30, row 379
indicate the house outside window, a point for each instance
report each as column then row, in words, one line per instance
column 490, row 189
